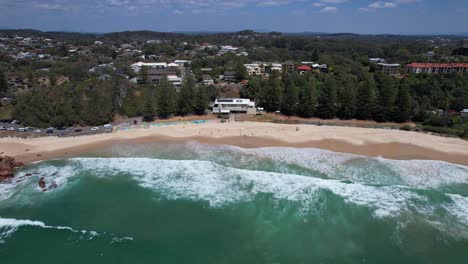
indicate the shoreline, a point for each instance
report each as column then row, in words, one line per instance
column 390, row 144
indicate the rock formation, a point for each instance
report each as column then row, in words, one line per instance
column 8, row 165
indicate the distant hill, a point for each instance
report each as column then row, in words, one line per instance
column 143, row 35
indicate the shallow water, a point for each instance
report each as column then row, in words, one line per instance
column 197, row 203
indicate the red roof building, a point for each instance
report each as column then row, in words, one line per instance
column 304, row 68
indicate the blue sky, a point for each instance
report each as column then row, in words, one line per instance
column 356, row 16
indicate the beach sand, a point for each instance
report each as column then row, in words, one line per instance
column 392, row 144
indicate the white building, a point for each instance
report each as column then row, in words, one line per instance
column 233, row 105
column 136, row 67
column 263, row 68
column 175, row 80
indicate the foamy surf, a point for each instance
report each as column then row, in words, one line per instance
column 221, row 186
column 9, row 225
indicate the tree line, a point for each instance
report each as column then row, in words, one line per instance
column 376, row 96
column 95, row 102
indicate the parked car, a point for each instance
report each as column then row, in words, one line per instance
column 107, row 126
column 94, row 128
column 50, row 130
column 78, row 130
column 14, row 122
column 21, row 129
column 37, row 131
column 2, row 128
column 11, row 129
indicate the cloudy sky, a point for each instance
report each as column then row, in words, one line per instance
column 357, row 16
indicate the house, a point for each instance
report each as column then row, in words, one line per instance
column 303, row 69
column 104, row 77
column 289, row 66
column 136, row 67
column 207, row 80
column 389, row 68
column 437, row 68
column 233, row 105
column 320, row 67
column 230, row 76
column 377, row 60
column 464, row 114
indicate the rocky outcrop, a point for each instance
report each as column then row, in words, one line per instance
column 8, row 165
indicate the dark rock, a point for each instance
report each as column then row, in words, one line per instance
column 28, row 174
column 42, row 183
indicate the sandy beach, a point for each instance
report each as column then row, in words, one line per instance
column 393, row 144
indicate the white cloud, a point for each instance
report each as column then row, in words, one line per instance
column 381, row 4
column 333, row 1
column 329, row 9
column 318, row 4
column 177, row 12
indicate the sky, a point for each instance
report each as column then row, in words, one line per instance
column 330, row 16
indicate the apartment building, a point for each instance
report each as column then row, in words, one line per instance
column 437, row 68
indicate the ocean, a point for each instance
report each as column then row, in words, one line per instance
column 187, row 202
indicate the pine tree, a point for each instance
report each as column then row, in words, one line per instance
column 185, row 97
column 315, row 56
column 148, row 111
column 403, row 104
column 307, row 100
column 200, row 100
column 290, row 99
column 270, row 95
column 347, row 102
column 252, row 89
column 3, row 84
column 386, row 98
column 166, row 99
column 366, row 100
column 327, row 101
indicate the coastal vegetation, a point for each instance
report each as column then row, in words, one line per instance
column 353, row 87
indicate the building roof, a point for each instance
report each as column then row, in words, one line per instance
column 437, row 65
column 304, row 68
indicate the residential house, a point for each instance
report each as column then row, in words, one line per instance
column 389, row 68
column 437, row 68
column 230, row 76
column 207, row 79
column 136, row 67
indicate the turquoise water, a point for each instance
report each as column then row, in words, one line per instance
column 195, row 203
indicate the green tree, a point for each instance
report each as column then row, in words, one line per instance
column 315, row 56
column 327, row 100
column 185, row 98
column 403, row 104
column 270, row 95
column 166, row 99
column 148, row 111
column 307, row 100
column 366, row 100
column 200, row 100
column 347, row 102
column 252, row 89
column 241, row 71
column 3, row 84
column 290, row 99
column 386, row 98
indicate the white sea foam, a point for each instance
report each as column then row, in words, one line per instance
column 9, row 225
column 219, row 185
column 343, row 166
